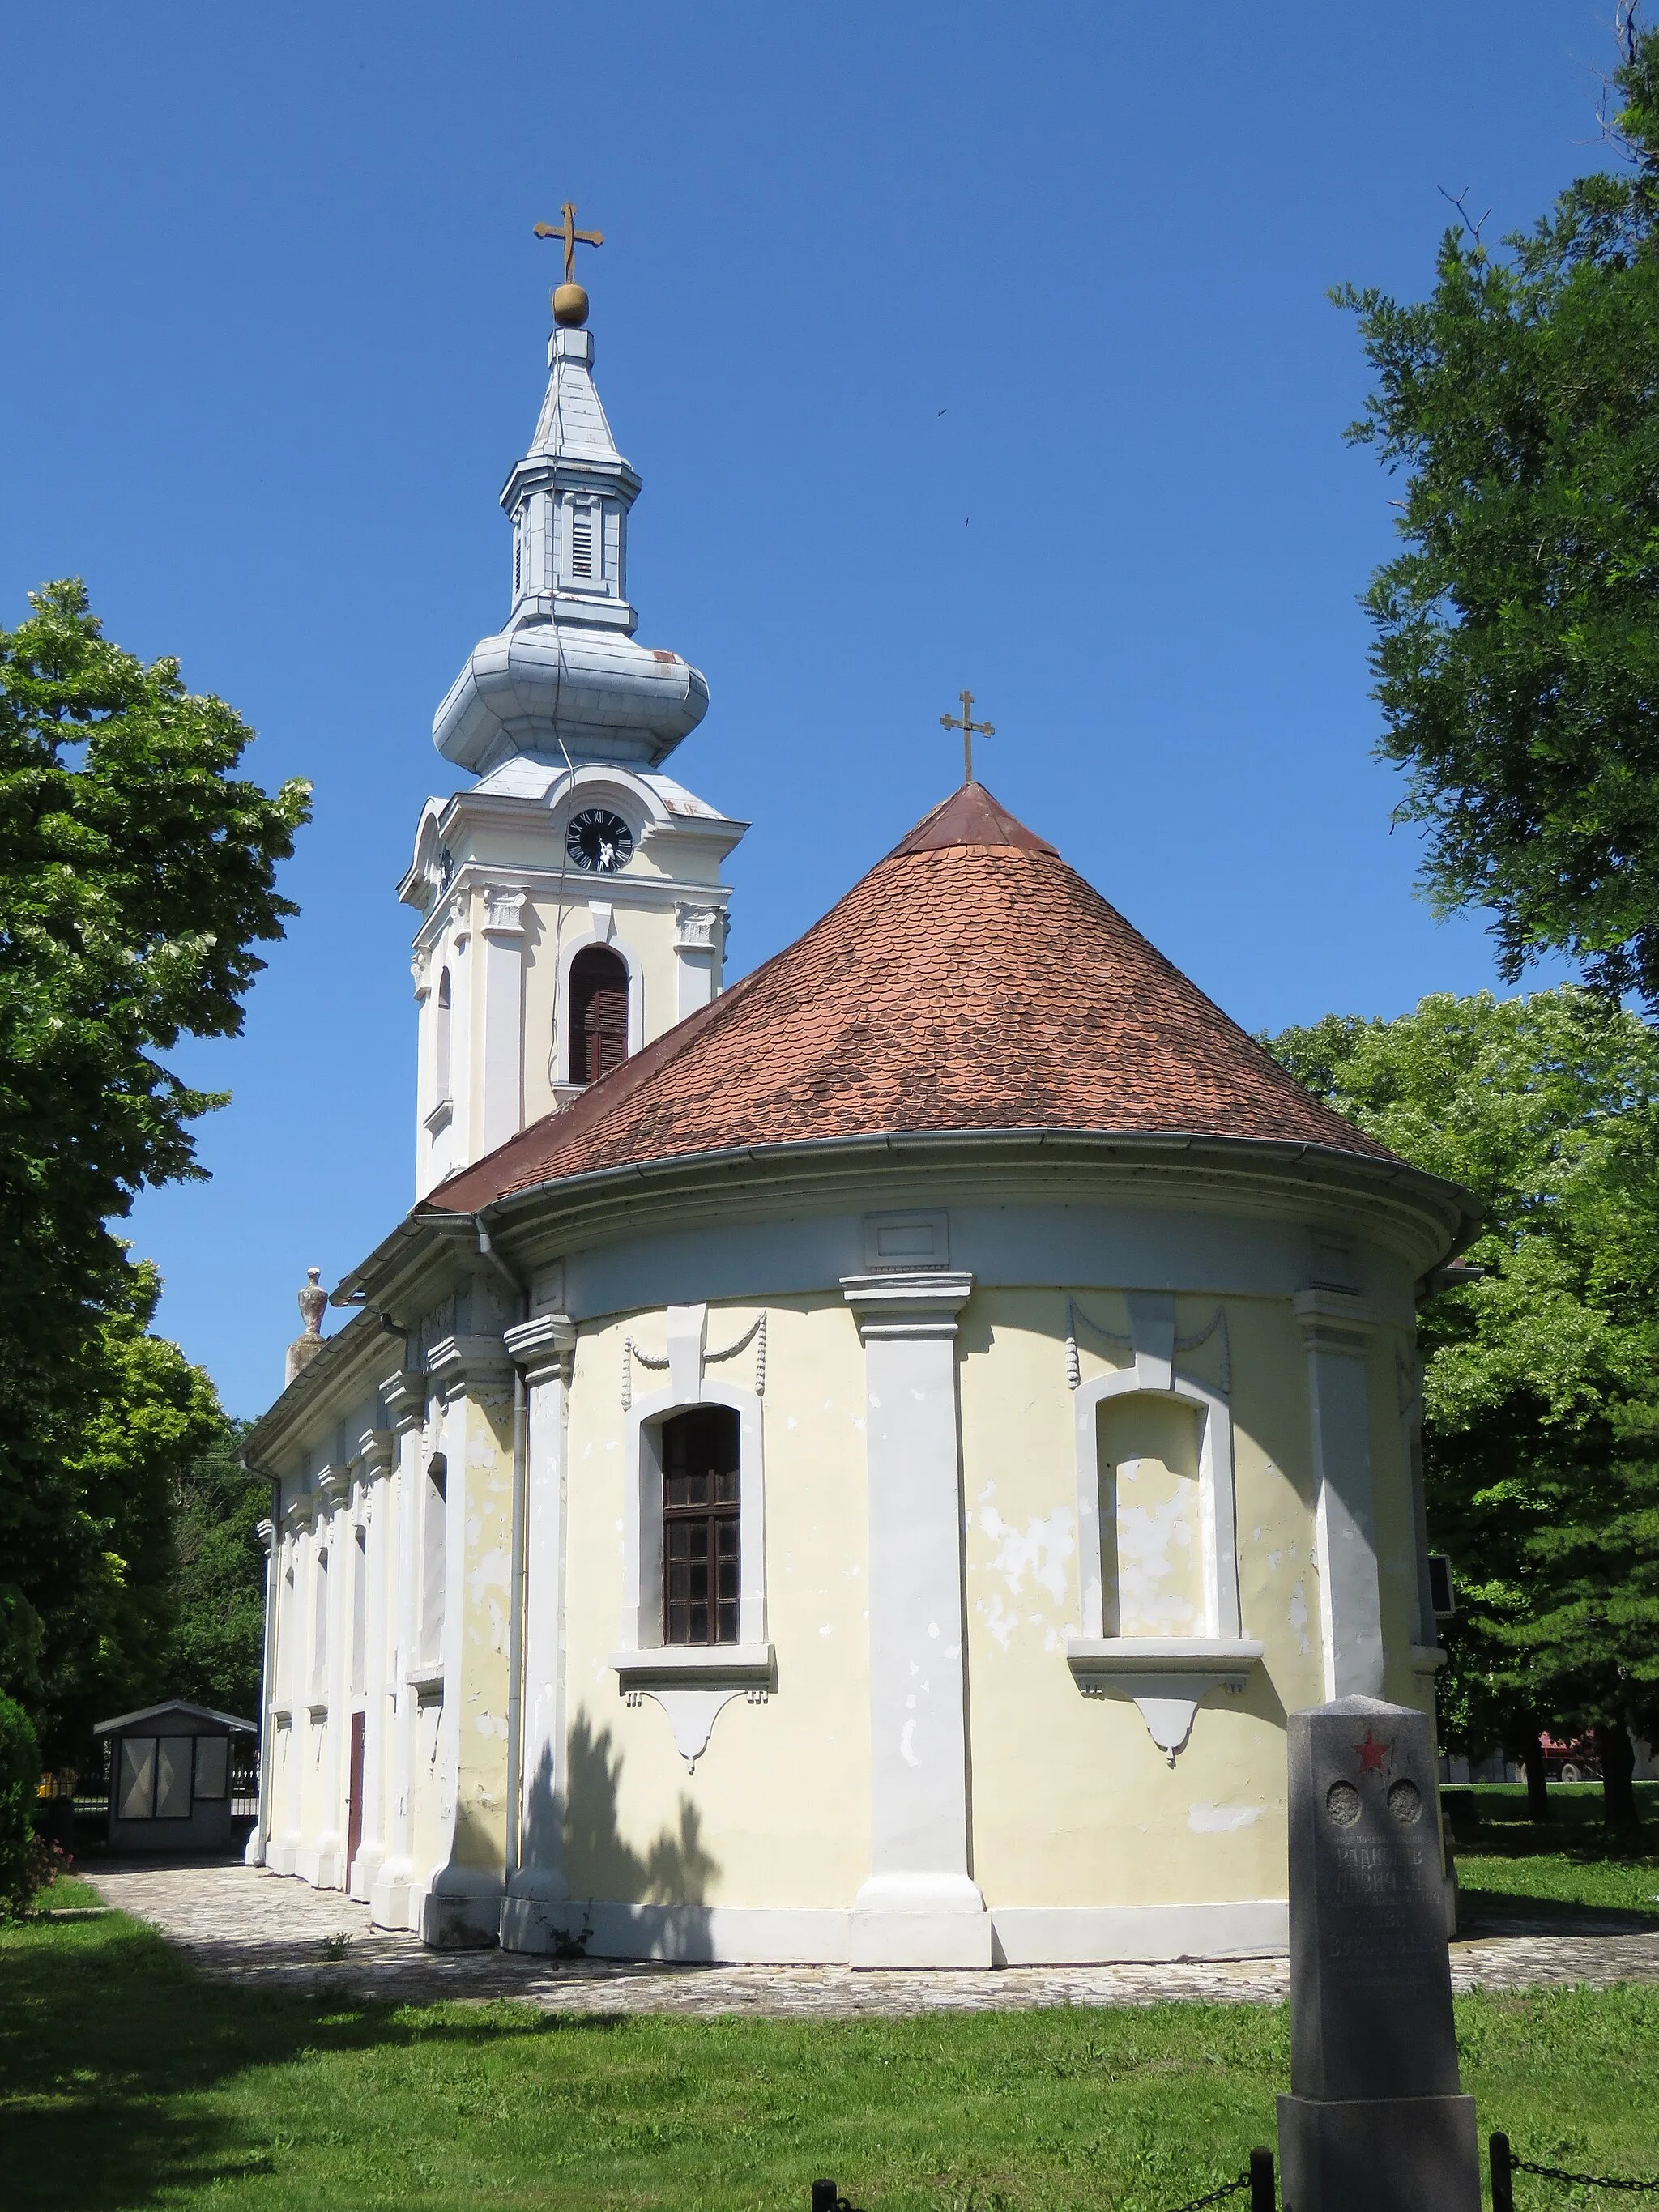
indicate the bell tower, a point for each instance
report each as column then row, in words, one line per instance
column 571, row 900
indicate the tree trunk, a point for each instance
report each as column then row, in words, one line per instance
column 1538, row 1786
column 1618, row 1757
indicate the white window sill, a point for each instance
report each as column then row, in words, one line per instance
column 282, row 1716
column 1165, row 1675
column 695, row 1665
column 318, row 1710
column 427, row 1682
column 441, row 1117
column 1224, row 1658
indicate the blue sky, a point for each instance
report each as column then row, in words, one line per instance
column 955, row 345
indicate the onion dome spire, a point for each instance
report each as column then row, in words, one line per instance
column 565, row 676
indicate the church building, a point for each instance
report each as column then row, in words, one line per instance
column 852, row 1464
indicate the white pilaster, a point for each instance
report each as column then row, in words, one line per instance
column 254, row 1854
column 377, row 1446
column 921, row 1906
column 402, row 1397
column 530, row 1920
column 1336, row 1327
column 501, row 969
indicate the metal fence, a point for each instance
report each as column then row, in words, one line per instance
column 1505, row 2166
column 1257, row 2177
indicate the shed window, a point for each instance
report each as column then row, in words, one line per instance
column 599, row 1013
column 700, row 1555
column 212, row 1765
column 155, row 1777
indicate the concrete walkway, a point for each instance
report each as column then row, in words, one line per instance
column 240, row 1924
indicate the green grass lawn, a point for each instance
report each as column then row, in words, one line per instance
column 1562, row 1870
column 126, row 2081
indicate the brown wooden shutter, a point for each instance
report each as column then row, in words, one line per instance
column 599, row 1013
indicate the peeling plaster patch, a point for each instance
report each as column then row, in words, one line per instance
column 826, row 1629
column 907, row 1745
column 933, row 1628
column 1256, row 1536
column 1001, row 1623
column 1297, row 1617
column 1156, row 1548
column 1273, row 1558
column 1042, row 1551
column 988, row 1493
column 1222, row 1820
column 791, row 1422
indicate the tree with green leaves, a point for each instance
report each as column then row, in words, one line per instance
column 1541, row 1375
column 216, row 1652
column 137, row 875
column 1517, row 648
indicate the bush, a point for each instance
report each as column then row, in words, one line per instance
column 20, row 1779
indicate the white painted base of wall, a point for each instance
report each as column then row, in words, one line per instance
column 323, row 1865
column 732, row 1934
column 921, row 1940
column 1011, row 1935
column 1083, row 1935
column 389, row 1898
column 364, row 1870
column 281, row 1852
column 459, row 1910
column 254, row 1853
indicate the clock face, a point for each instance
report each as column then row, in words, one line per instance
column 598, row 841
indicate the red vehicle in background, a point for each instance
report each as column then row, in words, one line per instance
column 1571, row 1759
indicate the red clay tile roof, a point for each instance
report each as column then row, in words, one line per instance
column 971, row 981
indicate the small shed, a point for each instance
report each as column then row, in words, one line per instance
column 169, row 1777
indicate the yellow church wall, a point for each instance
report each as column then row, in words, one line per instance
column 777, row 1811
column 479, row 1699
column 1073, row 1803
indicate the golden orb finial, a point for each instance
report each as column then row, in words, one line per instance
column 570, row 307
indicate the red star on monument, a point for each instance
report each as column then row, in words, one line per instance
column 1374, row 1756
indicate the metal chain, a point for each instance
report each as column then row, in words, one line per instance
column 1227, row 2189
column 1583, row 2180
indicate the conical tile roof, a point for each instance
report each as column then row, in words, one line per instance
column 971, row 981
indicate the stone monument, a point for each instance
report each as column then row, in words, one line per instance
column 1374, row 2121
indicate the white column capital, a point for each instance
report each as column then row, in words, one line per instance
column 907, row 1305
column 539, row 1346
column 1334, row 1320
column 455, row 1363
column 403, row 1396
column 374, row 1447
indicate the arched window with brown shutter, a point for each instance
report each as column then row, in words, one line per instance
column 599, row 1013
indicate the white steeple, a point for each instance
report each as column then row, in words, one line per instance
column 565, row 676
column 571, row 901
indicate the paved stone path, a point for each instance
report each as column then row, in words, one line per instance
column 240, row 1924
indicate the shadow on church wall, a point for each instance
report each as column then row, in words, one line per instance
column 674, row 1868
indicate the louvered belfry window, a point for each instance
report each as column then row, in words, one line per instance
column 599, row 1013
column 700, row 1541
column 581, row 542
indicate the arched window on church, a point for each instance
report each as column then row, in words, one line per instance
column 700, row 1543
column 1152, row 1568
column 441, row 1041
column 598, row 1012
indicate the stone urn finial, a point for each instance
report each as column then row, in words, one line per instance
column 314, row 1302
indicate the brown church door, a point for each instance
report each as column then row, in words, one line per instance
column 599, row 1013
column 354, row 1797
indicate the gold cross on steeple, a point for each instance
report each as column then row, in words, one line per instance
column 572, row 238
column 971, row 729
